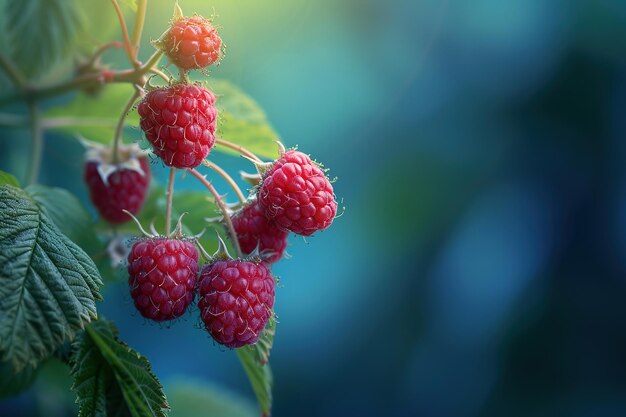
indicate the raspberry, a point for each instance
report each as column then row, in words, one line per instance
column 179, row 122
column 236, row 300
column 254, row 229
column 162, row 277
column 296, row 194
column 118, row 187
column 192, row 42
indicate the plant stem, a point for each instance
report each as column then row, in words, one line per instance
column 102, row 49
column 170, row 196
column 140, row 18
column 228, row 179
column 13, row 72
column 222, row 207
column 127, row 44
column 120, row 126
column 37, row 149
column 237, row 148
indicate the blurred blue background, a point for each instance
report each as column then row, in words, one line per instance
column 479, row 267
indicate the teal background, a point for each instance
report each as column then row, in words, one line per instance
column 478, row 268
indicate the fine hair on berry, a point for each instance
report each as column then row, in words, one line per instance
column 297, row 195
column 192, row 43
column 236, row 300
column 162, row 277
column 179, row 122
column 255, row 231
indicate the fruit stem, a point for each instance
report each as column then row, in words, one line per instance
column 223, row 209
column 237, row 148
column 170, row 196
column 127, row 45
column 228, row 179
column 37, row 135
column 140, row 18
column 120, row 127
column 13, row 72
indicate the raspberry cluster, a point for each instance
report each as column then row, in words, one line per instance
column 292, row 194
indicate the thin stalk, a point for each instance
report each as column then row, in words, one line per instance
column 140, row 18
column 237, row 148
column 13, row 73
column 102, row 49
column 228, row 179
column 127, row 44
column 160, row 74
column 222, row 207
column 37, row 135
column 120, row 125
column 170, row 196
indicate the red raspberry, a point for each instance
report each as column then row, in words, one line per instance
column 236, row 300
column 254, row 229
column 296, row 194
column 179, row 122
column 162, row 277
column 192, row 42
column 114, row 188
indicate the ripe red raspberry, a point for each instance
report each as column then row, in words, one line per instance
column 192, row 42
column 236, row 300
column 179, row 122
column 118, row 187
column 296, row 194
column 254, row 229
column 162, row 277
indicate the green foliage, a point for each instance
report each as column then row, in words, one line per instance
column 66, row 211
column 190, row 398
column 94, row 118
column 6, row 178
column 254, row 360
column 19, row 380
column 40, row 32
column 48, row 285
column 242, row 120
column 111, row 379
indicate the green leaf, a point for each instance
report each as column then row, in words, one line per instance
column 66, row 211
column 191, row 398
column 13, row 382
column 48, row 285
column 264, row 345
column 6, row 178
column 41, row 32
column 260, row 377
column 242, row 121
column 94, row 118
column 111, row 379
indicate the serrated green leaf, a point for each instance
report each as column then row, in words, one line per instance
column 95, row 118
column 242, row 121
column 41, row 32
column 111, row 379
column 260, row 377
column 6, row 178
column 66, row 211
column 263, row 347
column 48, row 285
column 192, row 398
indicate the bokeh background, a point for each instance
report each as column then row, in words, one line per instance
column 479, row 267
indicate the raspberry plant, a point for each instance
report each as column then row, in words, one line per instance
column 54, row 260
